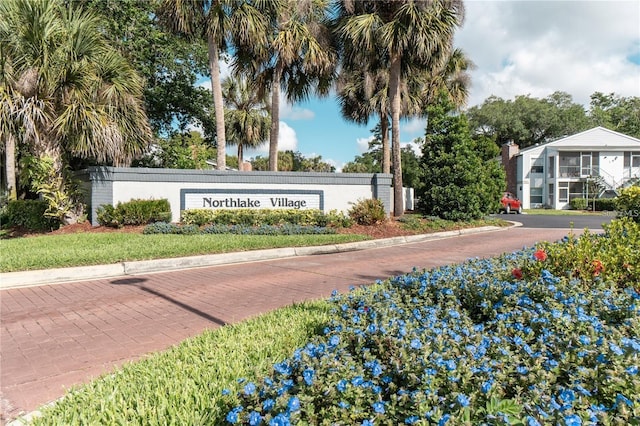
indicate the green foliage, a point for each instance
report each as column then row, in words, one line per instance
column 84, row 249
column 169, row 64
column 526, row 120
column 459, row 179
column 59, row 190
column 613, row 257
column 185, row 384
column 290, row 161
column 628, row 203
column 180, row 151
column 170, row 228
column 601, row 204
column 28, row 214
column 614, row 112
column 257, row 217
column 578, row 204
column 134, row 212
column 368, row 212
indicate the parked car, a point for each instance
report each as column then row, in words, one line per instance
column 510, row 203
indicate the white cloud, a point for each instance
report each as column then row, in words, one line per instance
column 287, row 140
column 539, row 47
column 292, row 112
column 363, row 144
column 414, row 125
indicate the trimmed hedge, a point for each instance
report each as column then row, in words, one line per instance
column 134, row 212
column 28, row 214
column 601, row 204
column 256, row 217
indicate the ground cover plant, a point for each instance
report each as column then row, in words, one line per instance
column 544, row 336
column 548, row 335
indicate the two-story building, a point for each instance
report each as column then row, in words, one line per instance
column 594, row 162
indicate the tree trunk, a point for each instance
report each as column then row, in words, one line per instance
column 275, row 119
column 216, row 88
column 10, row 166
column 394, row 95
column 386, row 152
column 240, row 157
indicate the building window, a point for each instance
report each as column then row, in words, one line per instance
column 550, row 202
column 563, row 192
column 535, row 196
column 632, row 164
column 579, row 164
column 537, row 167
column 552, row 167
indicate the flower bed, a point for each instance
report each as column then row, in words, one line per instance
column 547, row 335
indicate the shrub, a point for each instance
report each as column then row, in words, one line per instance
column 578, row 204
column 606, row 204
column 256, row 217
column 170, row 228
column 28, row 214
column 134, row 212
column 368, row 212
column 628, row 203
column 464, row 344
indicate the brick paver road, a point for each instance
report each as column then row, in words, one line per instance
column 57, row 336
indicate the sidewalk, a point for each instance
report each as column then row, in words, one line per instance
column 58, row 336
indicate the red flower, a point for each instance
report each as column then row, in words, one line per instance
column 597, row 267
column 540, row 255
column 517, row 273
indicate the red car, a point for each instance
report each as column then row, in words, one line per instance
column 510, row 203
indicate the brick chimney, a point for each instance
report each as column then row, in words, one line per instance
column 509, row 162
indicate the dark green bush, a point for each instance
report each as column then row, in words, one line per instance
column 134, row 212
column 286, row 229
column 368, row 212
column 578, row 204
column 28, row 214
column 605, row 204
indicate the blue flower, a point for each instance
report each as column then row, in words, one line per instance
column 249, row 388
column 411, row 420
column 444, row 419
column 308, row 374
column 378, row 407
column 486, row 386
column 293, row 404
column 632, row 370
column 531, row 421
column 416, row 343
column 268, row 404
column 255, row 418
column 463, row 400
column 572, row 420
column 232, row 416
column 342, row 385
column 567, row 396
column 366, row 423
column 280, row 420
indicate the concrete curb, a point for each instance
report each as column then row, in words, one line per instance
column 11, row 280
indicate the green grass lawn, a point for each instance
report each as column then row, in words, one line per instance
column 56, row 251
column 85, row 249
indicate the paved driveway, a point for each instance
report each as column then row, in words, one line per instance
column 57, row 336
column 578, row 221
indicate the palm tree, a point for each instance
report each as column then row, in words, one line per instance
column 297, row 56
column 66, row 92
column 247, row 116
column 217, row 22
column 406, row 35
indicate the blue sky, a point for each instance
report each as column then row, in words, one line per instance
column 519, row 47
